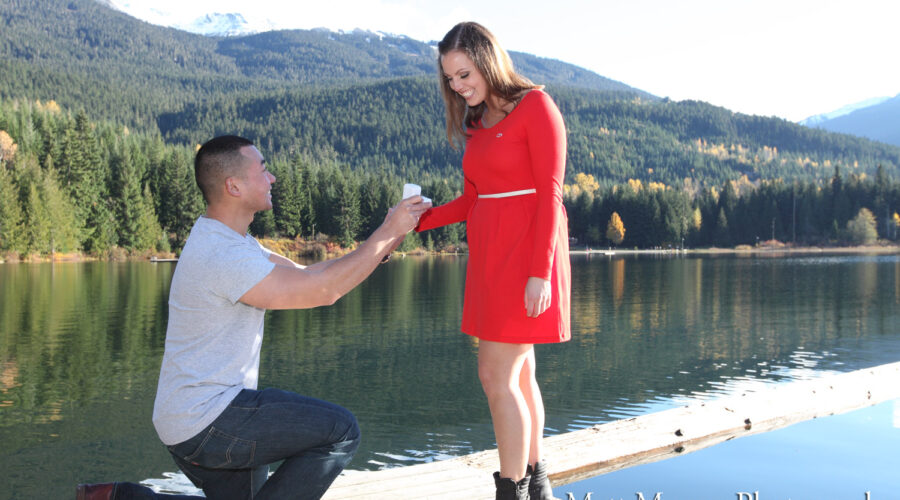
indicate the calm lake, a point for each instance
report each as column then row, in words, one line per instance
column 81, row 344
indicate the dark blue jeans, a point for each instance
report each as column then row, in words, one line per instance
column 229, row 459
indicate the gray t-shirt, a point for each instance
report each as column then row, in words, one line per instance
column 212, row 341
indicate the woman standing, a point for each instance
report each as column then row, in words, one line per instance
column 517, row 277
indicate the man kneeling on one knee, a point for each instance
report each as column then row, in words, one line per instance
column 221, row 430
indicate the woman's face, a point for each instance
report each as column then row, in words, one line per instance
column 464, row 78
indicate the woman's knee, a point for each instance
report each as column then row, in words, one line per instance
column 496, row 383
column 500, row 366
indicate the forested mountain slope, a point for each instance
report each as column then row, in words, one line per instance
column 614, row 137
column 372, row 100
column 83, row 54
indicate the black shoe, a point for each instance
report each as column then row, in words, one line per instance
column 539, row 487
column 507, row 489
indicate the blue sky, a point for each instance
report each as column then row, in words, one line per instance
column 786, row 58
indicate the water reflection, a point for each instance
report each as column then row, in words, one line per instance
column 80, row 347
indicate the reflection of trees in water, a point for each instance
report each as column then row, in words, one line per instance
column 79, row 331
column 80, row 347
column 678, row 323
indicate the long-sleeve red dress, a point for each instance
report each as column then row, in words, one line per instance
column 513, row 238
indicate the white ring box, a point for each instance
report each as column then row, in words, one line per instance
column 412, row 190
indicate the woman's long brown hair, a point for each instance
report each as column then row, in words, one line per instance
column 496, row 67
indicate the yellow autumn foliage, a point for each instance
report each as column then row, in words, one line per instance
column 584, row 183
column 615, row 229
column 8, row 147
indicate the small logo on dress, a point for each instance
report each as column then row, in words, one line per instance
column 500, row 134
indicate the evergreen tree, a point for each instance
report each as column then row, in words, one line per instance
column 263, row 225
column 896, row 220
column 676, row 216
column 881, row 203
column 722, row 235
column 149, row 234
column 306, row 185
column 179, row 198
column 326, row 200
column 346, row 213
column 840, row 204
column 581, row 213
column 50, row 222
column 65, row 229
column 85, row 178
column 377, row 196
column 37, row 222
column 286, row 200
column 129, row 202
column 11, row 216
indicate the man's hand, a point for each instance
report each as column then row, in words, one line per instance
column 404, row 216
column 415, row 206
column 537, row 296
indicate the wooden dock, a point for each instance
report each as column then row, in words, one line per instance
column 157, row 259
column 608, row 447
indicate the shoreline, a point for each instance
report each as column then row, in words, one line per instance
column 768, row 250
column 742, row 250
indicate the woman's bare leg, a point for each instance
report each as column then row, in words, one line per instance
column 532, row 393
column 500, row 369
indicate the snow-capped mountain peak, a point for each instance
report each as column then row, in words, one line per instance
column 217, row 24
column 812, row 121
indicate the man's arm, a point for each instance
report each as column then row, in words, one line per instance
column 290, row 286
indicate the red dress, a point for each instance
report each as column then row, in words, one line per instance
column 513, row 238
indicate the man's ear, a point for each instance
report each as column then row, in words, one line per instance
column 232, row 186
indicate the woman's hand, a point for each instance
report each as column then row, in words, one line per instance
column 537, row 296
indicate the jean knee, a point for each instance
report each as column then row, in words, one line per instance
column 348, row 427
column 353, row 432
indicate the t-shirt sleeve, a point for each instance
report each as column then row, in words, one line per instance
column 451, row 212
column 547, row 146
column 239, row 268
column 266, row 252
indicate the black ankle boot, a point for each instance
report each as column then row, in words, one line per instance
column 539, row 486
column 507, row 489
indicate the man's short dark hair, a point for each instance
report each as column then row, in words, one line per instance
column 217, row 160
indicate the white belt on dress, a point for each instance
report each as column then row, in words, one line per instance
column 508, row 194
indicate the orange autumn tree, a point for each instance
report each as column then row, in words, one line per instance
column 615, row 230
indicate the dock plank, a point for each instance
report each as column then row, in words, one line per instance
column 624, row 443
